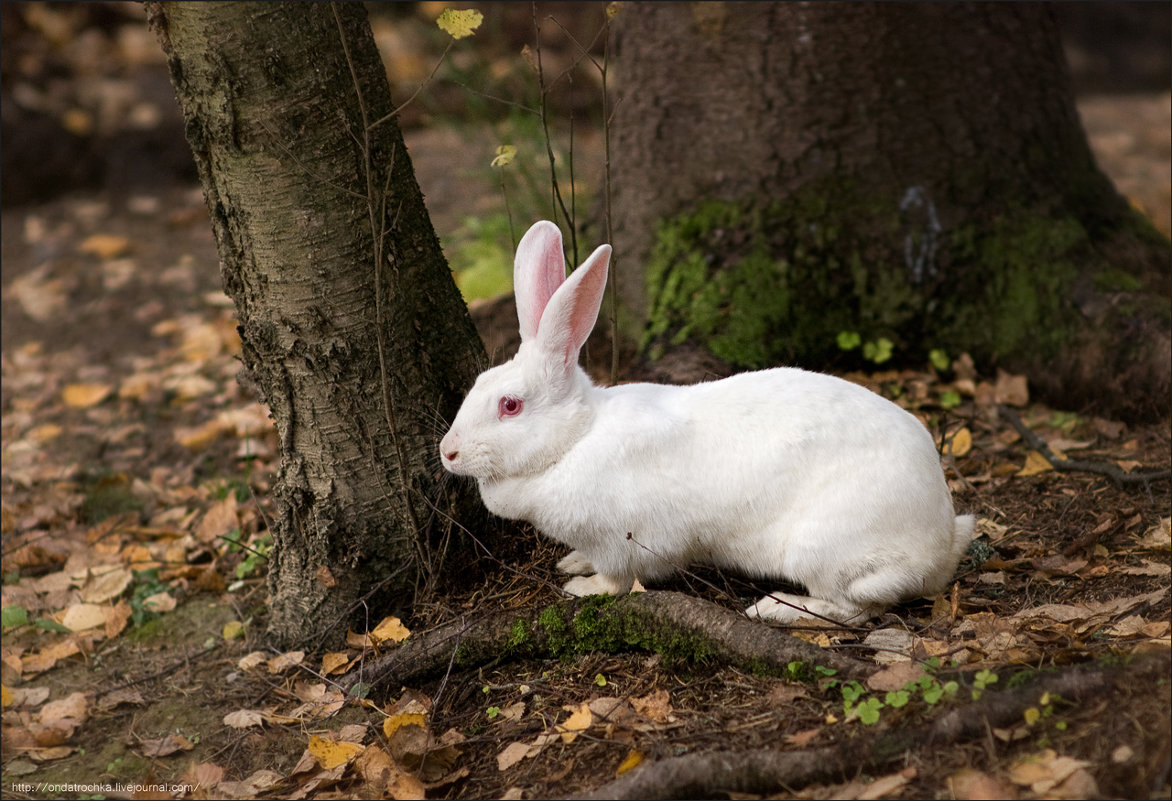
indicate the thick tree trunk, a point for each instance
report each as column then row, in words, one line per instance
column 352, row 327
column 792, row 171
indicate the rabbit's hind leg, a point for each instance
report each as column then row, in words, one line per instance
column 785, row 608
column 599, row 584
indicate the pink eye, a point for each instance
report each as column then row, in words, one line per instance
column 509, row 406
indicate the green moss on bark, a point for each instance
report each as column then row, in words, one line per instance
column 776, row 285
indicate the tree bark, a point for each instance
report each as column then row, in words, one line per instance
column 351, row 325
column 790, row 172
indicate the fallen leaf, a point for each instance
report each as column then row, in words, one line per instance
column 579, row 721
column 397, row 721
column 891, row 645
column 165, row 746
column 244, row 718
column 1159, row 536
column 969, row 784
column 1012, row 390
column 83, row 396
column 252, row 660
column 74, row 706
column 285, row 661
column 960, row 443
column 390, row 628
column 896, row 676
column 511, row 755
column 203, row 776
column 111, row 582
column 40, row 297
column 80, row 617
column 802, row 738
column 634, row 758
column 334, row 662
column 886, row 785
column 1035, row 463
column 105, row 246
column 655, row 706
column 331, row 754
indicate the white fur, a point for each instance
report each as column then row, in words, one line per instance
column 780, row 473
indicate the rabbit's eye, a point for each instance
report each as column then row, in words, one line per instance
column 509, row 406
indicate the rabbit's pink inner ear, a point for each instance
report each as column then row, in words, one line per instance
column 538, row 270
column 573, row 310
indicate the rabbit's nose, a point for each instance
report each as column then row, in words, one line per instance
column 451, row 455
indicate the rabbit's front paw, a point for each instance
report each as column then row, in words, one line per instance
column 598, row 584
column 576, row 564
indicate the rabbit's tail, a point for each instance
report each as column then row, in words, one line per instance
column 962, row 535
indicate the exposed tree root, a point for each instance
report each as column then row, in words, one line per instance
column 768, row 770
column 670, row 623
column 1107, row 469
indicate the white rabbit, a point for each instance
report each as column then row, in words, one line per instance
column 781, row 473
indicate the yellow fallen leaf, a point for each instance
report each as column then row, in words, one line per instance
column 330, row 754
column 395, row 722
column 105, row 246
column 1031, row 715
column 232, row 630
column 334, row 662
column 578, row 722
column 83, row 396
column 6, row 697
column 961, row 442
column 391, row 628
column 504, row 156
column 632, row 761
column 1035, row 463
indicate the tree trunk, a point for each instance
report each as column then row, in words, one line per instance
column 790, row 172
column 351, row 325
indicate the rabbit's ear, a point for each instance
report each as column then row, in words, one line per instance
column 570, row 315
column 538, row 270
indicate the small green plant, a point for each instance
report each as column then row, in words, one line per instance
column 848, row 340
column 982, row 680
column 492, row 711
column 13, row 616
column 258, row 554
column 939, row 359
column 878, row 351
column 600, row 680
column 950, row 399
column 146, row 584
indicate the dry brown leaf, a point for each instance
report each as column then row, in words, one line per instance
column 655, row 706
column 886, row 785
column 106, row 582
column 334, row 662
column 633, row 760
column 511, row 755
column 74, row 706
column 123, row 695
column 42, row 298
column 285, row 661
column 80, row 617
column 1012, row 390
column 220, row 520
column 891, row 645
column 105, row 246
column 160, row 602
column 895, row 676
column 204, row 776
column 252, row 660
column 1159, row 536
column 165, row 746
column 802, row 738
column 83, row 396
column 969, row 784
column 244, row 718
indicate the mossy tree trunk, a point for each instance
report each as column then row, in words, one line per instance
column 352, row 327
column 917, row 173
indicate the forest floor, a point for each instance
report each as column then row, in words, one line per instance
column 135, row 504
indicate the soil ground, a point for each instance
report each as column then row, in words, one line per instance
column 135, row 478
